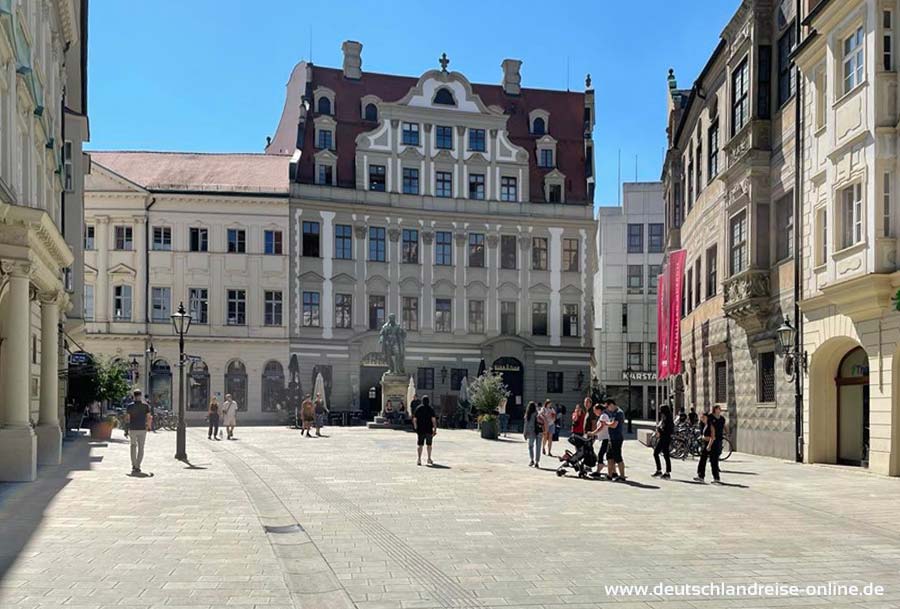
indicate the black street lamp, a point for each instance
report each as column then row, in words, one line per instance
column 793, row 356
column 148, row 365
column 181, row 321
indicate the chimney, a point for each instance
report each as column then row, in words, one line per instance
column 511, row 77
column 352, row 59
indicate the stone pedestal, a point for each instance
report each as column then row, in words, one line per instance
column 393, row 388
column 49, row 444
column 18, row 454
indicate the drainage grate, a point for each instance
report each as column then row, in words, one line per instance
column 285, row 528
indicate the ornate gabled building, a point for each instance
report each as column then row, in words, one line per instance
column 465, row 209
column 729, row 188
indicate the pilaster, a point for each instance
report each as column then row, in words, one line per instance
column 49, row 433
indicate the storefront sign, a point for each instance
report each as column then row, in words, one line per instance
column 80, row 358
column 638, row 376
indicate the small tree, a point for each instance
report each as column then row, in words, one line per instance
column 112, row 380
column 486, row 392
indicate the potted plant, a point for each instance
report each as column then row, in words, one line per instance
column 111, row 387
column 485, row 394
column 102, row 430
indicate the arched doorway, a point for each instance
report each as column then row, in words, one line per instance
column 198, row 386
column 272, row 387
column 514, row 378
column 371, row 367
column 236, row 383
column 161, row 384
column 853, row 408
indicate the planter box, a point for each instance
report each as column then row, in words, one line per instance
column 490, row 430
column 101, row 431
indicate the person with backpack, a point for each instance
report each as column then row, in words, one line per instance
column 533, row 434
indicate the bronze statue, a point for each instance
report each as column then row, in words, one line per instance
column 393, row 344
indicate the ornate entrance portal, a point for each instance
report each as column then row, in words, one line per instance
column 853, row 409
column 514, row 378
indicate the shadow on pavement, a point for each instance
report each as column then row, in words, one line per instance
column 439, row 466
column 728, row 471
column 140, row 475
column 733, row 485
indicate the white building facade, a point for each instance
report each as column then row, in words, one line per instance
column 630, row 246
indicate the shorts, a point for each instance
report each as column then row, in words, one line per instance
column 424, row 438
column 615, row 449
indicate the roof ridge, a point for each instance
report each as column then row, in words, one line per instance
column 174, row 152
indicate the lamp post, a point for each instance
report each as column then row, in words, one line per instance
column 630, row 416
column 181, row 322
column 148, row 364
column 794, row 358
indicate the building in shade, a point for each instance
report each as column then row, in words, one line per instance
column 630, row 246
column 463, row 209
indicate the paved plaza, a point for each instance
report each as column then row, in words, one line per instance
column 276, row 520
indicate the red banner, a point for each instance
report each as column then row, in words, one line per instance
column 668, row 316
column 662, row 325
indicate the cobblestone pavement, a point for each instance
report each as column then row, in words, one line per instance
column 276, row 520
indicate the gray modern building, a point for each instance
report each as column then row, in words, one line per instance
column 630, row 246
column 463, row 209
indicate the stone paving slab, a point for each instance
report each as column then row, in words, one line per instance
column 275, row 520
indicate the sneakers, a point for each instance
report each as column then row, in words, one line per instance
column 699, row 479
column 717, row 482
column 666, row 476
column 430, row 462
column 657, row 474
column 419, row 462
column 531, row 464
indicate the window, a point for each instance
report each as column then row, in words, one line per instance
column 738, row 243
column 821, row 98
column 310, row 239
column 325, row 139
column 476, row 250
column 376, row 312
column 539, row 318
column 444, row 97
column 162, row 238
column 653, row 272
column 886, row 204
column 570, row 320
column 89, row 237
column 784, row 223
column 539, row 253
column 324, row 105
column 636, row 356
column 721, row 383
column 554, row 193
column 272, row 242
column 122, row 303
column 444, row 184
column 237, row 307
column 765, row 387
column 343, row 242
column 410, row 181
column 456, row 377
column 343, row 310
column 635, row 238
column 712, row 279
column 509, row 189
column 311, row 316
column 538, row 126
column 476, row 316
column 476, row 186
column 854, row 60
column 325, row 176
column 554, row 382
column 443, row 248
column 88, row 303
column 410, row 314
column 822, row 229
column 852, row 215
column 476, row 140
column 425, row 378
column 377, row 180
column 507, row 251
column 199, row 239
column 371, row 113
column 787, row 76
column 690, row 181
column 763, row 81
column 651, row 356
column 410, row 134
column 698, row 178
column 443, row 316
column 409, row 248
column 508, row 318
column 68, row 173
column 624, row 318
column 656, row 237
column 698, row 279
column 635, row 277
column 160, row 300
column 740, row 91
column 443, row 137
column 376, row 244
column 570, row 255
column 198, row 305
column 887, row 22
column 237, row 241
column 124, row 240
column 273, row 306
column 712, row 162
column 545, row 157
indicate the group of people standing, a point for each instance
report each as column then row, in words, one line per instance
column 313, row 413
column 713, row 429
column 226, row 413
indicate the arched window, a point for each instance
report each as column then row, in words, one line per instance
column 236, row 383
column 371, row 112
column 198, row 386
column 538, row 127
column 444, row 97
column 324, row 106
column 161, row 384
column 273, row 395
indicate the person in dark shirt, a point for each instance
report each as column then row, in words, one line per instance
column 664, row 429
column 426, row 427
column 714, row 430
column 138, row 422
column 616, row 440
column 692, row 417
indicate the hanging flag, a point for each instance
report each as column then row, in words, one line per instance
column 668, row 315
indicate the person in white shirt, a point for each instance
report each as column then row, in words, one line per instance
column 548, row 420
column 229, row 415
column 601, row 432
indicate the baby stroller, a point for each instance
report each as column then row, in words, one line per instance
column 582, row 461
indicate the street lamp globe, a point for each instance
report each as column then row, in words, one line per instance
column 181, row 320
column 785, row 334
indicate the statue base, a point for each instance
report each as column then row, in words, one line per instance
column 393, row 388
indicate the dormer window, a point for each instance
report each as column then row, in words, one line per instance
column 410, row 135
column 324, row 106
column 444, row 97
column 476, row 140
column 371, row 113
column 539, row 122
column 537, row 127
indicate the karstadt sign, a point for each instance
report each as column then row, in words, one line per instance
column 638, row 376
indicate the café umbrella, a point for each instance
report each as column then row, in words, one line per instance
column 410, row 392
column 319, row 390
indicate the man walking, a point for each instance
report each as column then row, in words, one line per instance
column 616, row 428
column 138, row 422
column 229, row 415
column 426, row 427
column 713, row 432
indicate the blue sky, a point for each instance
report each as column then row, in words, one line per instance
column 209, row 75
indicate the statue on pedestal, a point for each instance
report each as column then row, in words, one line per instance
column 393, row 344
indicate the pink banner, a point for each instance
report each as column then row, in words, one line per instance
column 668, row 316
column 662, row 325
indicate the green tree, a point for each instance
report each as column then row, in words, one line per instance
column 112, row 380
column 486, row 391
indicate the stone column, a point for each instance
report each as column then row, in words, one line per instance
column 101, row 288
column 392, row 302
column 49, row 433
column 426, row 307
column 460, row 315
column 493, row 264
column 360, row 305
column 139, row 306
column 18, row 446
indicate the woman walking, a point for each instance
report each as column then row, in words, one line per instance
column 307, row 415
column 664, row 429
column 212, row 414
column 321, row 412
column 533, row 433
column 229, row 415
column 548, row 421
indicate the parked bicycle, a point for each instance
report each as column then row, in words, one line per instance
column 687, row 440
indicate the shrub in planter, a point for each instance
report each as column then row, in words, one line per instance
column 485, row 394
column 490, row 426
column 102, row 430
